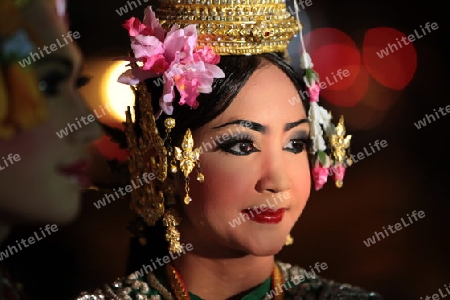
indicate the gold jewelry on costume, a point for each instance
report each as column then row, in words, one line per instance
column 289, row 240
column 176, row 283
column 147, row 154
column 233, row 27
column 171, row 220
column 188, row 157
column 277, row 282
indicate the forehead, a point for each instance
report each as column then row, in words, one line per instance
column 46, row 29
column 265, row 98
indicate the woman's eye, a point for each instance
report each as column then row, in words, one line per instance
column 49, row 86
column 244, row 147
column 82, row 81
column 296, row 145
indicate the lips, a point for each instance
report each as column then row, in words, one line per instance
column 76, row 172
column 267, row 216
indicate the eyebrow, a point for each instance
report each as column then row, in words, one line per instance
column 289, row 126
column 261, row 128
column 66, row 62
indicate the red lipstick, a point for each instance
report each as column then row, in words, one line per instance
column 76, row 172
column 268, row 216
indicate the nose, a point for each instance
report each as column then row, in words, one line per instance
column 90, row 129
column 274, row 175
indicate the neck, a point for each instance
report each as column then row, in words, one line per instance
column 213, row 278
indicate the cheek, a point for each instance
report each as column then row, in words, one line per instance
column 39, row 150
column 301, row 183
column 224, row 183
column 230, row 186
column 37, row 147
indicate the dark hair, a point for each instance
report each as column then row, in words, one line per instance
column 238, row 70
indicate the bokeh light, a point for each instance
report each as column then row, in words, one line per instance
column 117, row 96
column 389, row 57
column 337, row 59
column 352, row 95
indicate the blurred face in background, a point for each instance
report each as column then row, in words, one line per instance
column 40, row 172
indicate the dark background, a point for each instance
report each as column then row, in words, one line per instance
column 410, row 174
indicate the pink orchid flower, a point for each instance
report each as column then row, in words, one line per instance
column 135, row 27
column 174, row 56
column 151, row 21
column 314, row 92
column 320, row 176
column 188, row 90
column 207, row 55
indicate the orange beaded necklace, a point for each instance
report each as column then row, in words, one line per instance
column 180, row 290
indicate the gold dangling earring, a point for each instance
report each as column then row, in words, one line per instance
column 188, row 157
column 169, row 123
column 289, row 240
column 171, row 220
column 200, row 176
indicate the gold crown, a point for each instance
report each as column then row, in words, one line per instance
column 233, row 27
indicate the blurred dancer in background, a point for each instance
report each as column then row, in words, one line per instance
column 40, row 73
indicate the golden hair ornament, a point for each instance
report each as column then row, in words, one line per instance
column 147, row 154
column 188, row 157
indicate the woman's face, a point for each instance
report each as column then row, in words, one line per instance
column 40, row 180
column 257, row 176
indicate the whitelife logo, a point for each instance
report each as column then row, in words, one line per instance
column 430, row 118
column 161, row 262
column 391, row 48
column 397, row 226
column 128, row 189
column 340, row 75
column 124, row 9
column 71, row 127
column 296, row 280
column 11, row 158
column 11, row 250
column 49, row 49
column 257, row 210
column 438, row 296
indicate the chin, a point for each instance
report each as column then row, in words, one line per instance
column 265, row 247
column 267, row 252
column 62, row 210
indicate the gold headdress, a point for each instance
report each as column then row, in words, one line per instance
column 184, row 45
column 233, row 26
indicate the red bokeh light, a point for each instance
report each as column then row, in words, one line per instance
column 389, row 57
column 351, row 96
column 110, row 149
column 337, row 65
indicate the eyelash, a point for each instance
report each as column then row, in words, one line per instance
column 242, row 139
column 246, row 139
column 49, row 85
column 304, row 141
